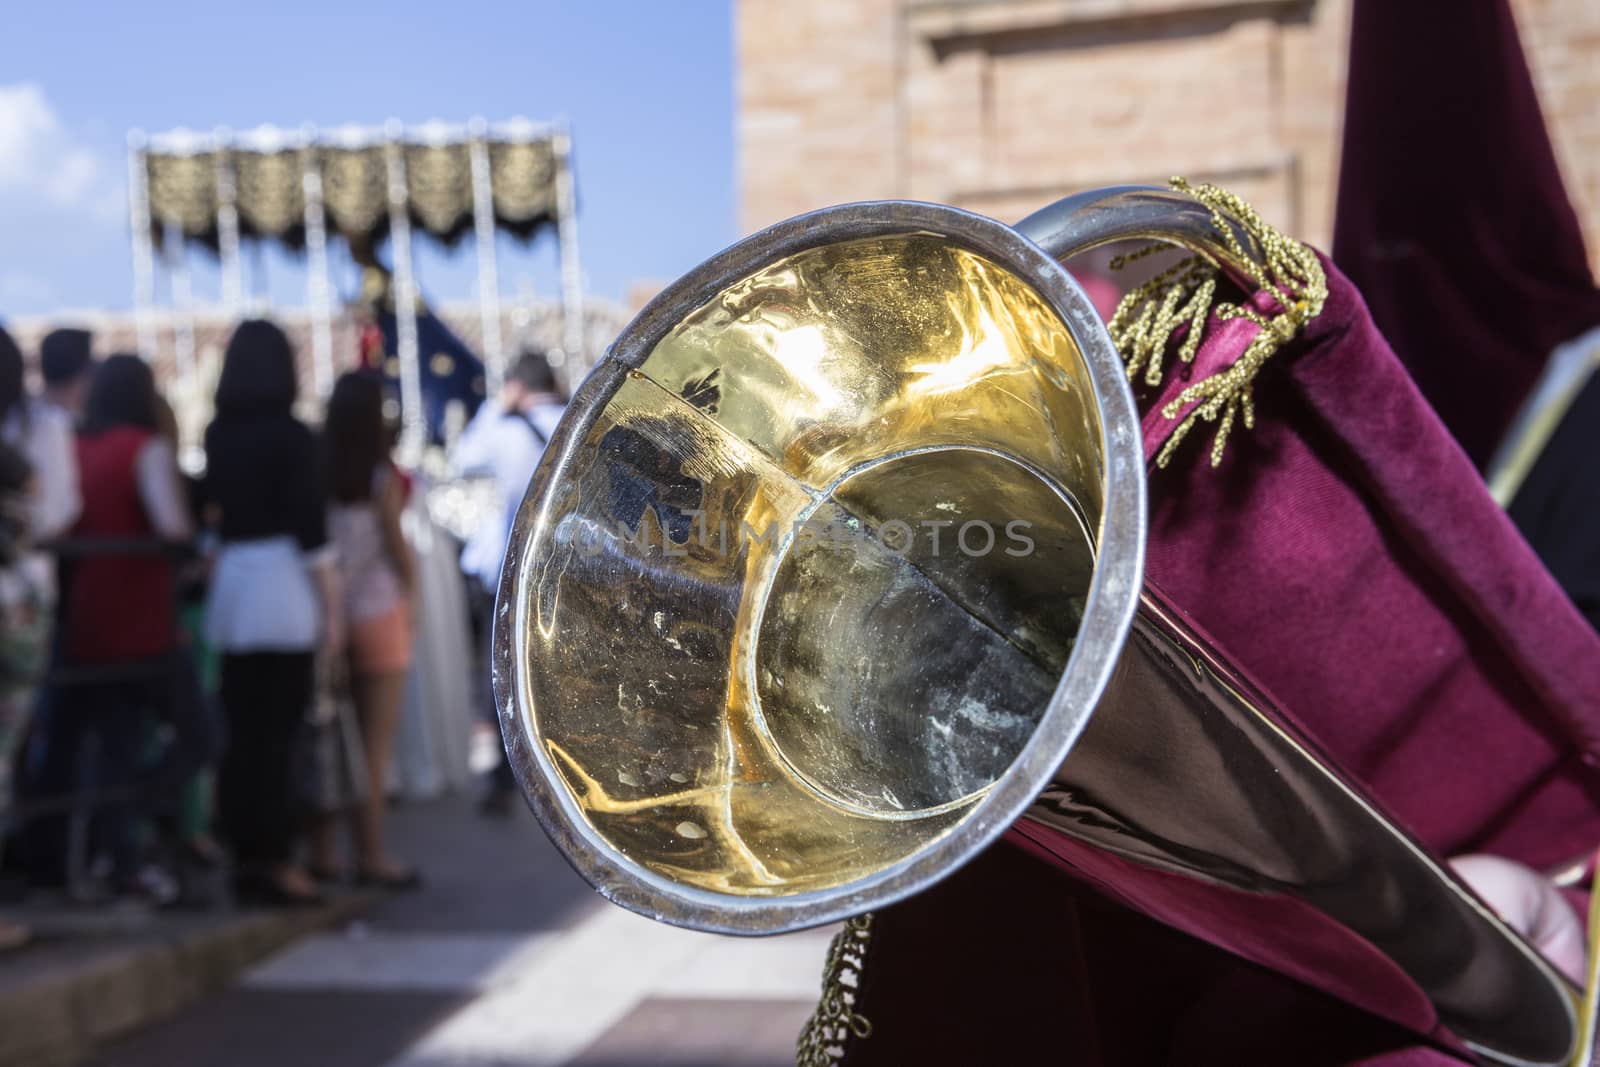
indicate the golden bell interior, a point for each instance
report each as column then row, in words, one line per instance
column 813, row 573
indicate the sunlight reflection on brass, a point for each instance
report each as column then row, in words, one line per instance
column 792, row 701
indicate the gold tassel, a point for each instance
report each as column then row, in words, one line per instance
column 1182, row 296
column 822, row 1041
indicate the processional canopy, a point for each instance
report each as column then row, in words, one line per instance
column 263, row 173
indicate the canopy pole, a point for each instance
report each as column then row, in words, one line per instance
column 573, row 361
column 413, row 422
column 494, row 357
column 318, row 287
column 228, row 224
column 174, row 250
column 144, row 259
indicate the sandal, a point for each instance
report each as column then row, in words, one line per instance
column 13, row 935
column 327, row 875
column 260, row 891
column 398, row 881
column 203, row 851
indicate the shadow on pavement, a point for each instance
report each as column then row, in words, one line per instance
column 483, row 873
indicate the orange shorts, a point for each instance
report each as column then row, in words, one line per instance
column 381, row 644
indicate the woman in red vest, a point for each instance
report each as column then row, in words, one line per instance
column 120, row 608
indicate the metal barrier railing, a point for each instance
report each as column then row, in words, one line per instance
column 81, row 801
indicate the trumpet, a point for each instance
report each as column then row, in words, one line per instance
column 834, row 571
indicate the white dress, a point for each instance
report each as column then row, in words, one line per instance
column 437, row 719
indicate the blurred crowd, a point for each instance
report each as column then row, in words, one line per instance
column 202, row 673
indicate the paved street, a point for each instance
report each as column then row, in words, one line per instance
column 505, row 958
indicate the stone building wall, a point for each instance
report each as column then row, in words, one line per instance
column 1001, row 106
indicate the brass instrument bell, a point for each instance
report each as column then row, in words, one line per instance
column 833, row 572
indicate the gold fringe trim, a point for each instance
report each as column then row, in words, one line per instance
column 822, row 1041
column 1183, row 295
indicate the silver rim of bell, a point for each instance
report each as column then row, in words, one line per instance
column 1107, row 613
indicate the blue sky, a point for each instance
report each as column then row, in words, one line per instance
column 647, row 86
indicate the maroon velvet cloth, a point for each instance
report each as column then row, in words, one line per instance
column 1452, row 217
column 1347, row 556
column 1012, row 961
column 1278, row 932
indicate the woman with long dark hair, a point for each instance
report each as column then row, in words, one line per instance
column 366, row 497
column 131, row 489
column 273, row 599
column 119, row 608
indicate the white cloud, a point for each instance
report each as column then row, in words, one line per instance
column 42, row 161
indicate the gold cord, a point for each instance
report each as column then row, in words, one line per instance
column 1182, row 297
column 822, row 1041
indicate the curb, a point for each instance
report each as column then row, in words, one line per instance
column 58, row 1014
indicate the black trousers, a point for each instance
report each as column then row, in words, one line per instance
column 501, row 778
column 97, row 749
column 265, row 698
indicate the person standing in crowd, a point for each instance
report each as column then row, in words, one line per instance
column 66, row 361
column 273, row 598
column 505, row 441
column 43, row 432
column 22, row 637
column 38, row 499
column 120, row 609
column 189, row 770
column 366, row 497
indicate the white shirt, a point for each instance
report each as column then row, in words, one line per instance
column 44, row 434
column 507, row 449
column 156, row 470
